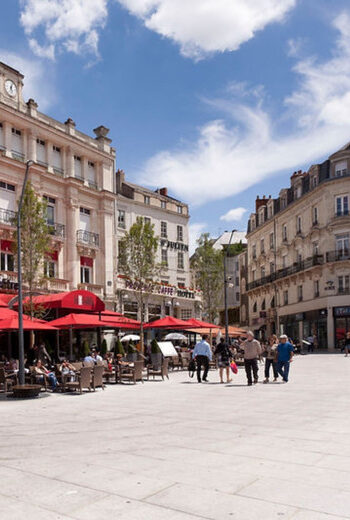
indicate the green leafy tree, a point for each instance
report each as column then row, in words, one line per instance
column 35, row 244
column 207, row 264
column 138, row 261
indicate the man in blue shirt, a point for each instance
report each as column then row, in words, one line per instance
column 285, row 352
column 202, row 354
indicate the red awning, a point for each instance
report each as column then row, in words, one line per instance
column 167, row 323
column 5, row 298
column 74, row 300
column 85, row 321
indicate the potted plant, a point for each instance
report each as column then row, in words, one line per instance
column 156, row 354
column 132, row 352
column 118, row 348
column 103, row 348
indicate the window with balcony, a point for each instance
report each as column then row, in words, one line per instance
column 284, row 261
column 263, row 305
column 272, row 241
column 344, row 284
column 254, row 251
column 147, row 200
column 180, row 260
column 165, row 257
column 314, row 216
column 78, row 167
column 57, row 160
column 285, row 297
column 298, row 225
column 342, row 244
column 262, row 272
column 179, row 209
column 315, row 248
column 50, row 209
column 340, row 169
column 163, row 230
column 300, row 293
column 255, row 307
column 50, row 269
column 2, row 142
column 163, row 204
column 284, row 233
column 316, row 288
column 7, row 203
column 17, row 144
column 180, row 234
column 253, row 275
column 86, row 269
column 262, row 246
column 273, row 305
column 342, row 205
column 41, row 152
column 299, row 258
column 272, row 267
column 121, row 218
column 91, row 175
column 7, row 261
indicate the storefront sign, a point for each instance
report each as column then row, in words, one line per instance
column 179, row 246
column 330, row 286
column 299, row 317
column 163, row 290
column 341, row 311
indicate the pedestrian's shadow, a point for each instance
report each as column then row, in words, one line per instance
column 229, row 386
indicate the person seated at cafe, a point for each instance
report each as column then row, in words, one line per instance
column 67, row 370
column 12, row 365
column 42, row 372
column 119, row 361
column 89, row 358
column 96, row 356
column 110, row 361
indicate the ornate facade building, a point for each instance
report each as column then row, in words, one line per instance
column 74, row 173
column 173, row 295
column 299, row 257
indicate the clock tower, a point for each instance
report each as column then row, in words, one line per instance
column 11, row 84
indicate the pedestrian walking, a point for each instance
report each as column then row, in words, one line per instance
column 271, row 358
column 202, row 354
column 252, row 351
column 285, row 351
column 224, row 355
column 347, row 344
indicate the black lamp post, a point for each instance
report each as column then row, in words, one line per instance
column 226, row 282
column 19, row 278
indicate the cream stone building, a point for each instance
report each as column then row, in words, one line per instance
column 75, row 175
column 173, row 295
column 299, row 257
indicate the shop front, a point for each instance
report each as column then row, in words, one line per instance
column 305, row 324
column 341, row 325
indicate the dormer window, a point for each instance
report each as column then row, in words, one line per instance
column 341, row 169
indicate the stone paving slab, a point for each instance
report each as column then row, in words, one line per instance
column 182, row 451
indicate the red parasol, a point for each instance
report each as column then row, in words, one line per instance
column 84, row 321
column 28, row 324
column 167, row 323
column 198, row 324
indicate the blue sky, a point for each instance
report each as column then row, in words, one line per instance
column 220, row 100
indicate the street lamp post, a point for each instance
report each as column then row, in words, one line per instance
column 19, row 278
column 226, row 281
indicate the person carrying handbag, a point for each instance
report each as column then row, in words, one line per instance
column 270, row 352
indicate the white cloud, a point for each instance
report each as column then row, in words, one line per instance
column 249, row 145
column 203, row 27
column 38, row 82
column 68, row 24
column 233, row 215
column 195, row 231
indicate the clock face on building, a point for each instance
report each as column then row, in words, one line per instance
column 11, row 88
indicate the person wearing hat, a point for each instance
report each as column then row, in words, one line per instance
column 285, row 351
column 252, row 351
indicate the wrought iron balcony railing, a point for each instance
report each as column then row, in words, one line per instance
column 7, row 216
column 88, row 238
column 57, row 230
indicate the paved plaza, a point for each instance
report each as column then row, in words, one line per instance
column 180, row 451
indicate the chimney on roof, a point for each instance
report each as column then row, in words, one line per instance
column 120, row 175
column 260, row 202
column 163, row 191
